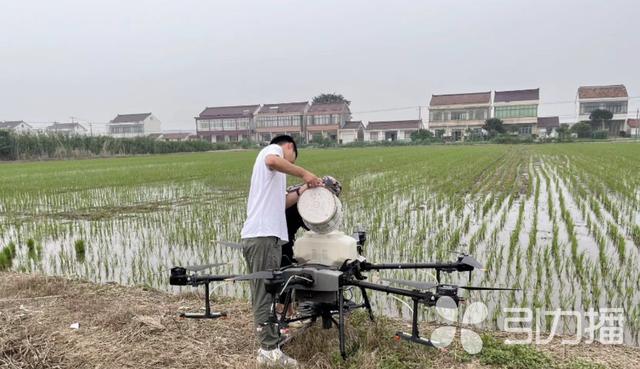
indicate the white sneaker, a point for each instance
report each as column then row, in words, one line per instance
column 275, row 358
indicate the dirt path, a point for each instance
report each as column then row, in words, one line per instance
column 125, row 327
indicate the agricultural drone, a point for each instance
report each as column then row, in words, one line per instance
column 330, row 263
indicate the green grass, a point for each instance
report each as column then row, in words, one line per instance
column 130, row 219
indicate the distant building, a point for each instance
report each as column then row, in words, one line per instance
column 18, row 126
column 518, row 109
column 613, row 98
column 226, row 123
column 547, row 126
column 633, row 127
column 455, row 113
column 177, row 136
column 324, row 120
column 350, row 132
column 393, row 130
column 67, row 128
column 133, row 125
column 277, row 119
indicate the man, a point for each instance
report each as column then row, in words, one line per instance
column 265, row 231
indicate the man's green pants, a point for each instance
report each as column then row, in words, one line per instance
column 262, row 253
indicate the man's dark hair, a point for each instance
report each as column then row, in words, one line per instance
column 279, row 140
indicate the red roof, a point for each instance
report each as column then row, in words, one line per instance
column 356, row 124
column 517, row 95
column 333, row 108
column 130, row 118
column 633, row 123
column 461, row 99
column 596, row 92
column 394, row 124
column 548, row 122
column 284, row 108
column 237, row 111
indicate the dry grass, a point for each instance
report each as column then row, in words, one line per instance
column 124, row 327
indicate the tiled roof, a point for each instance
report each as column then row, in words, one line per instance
column 130, row 118
column 284, row 108
column 65, row 126
column 334, row 108
column 237, row 111
column 633, row 123
column 356, row 124
column 394, row 124
column 548, row 122
column 461, row 99
column 517, row 95
column 12, row 124
column 596, row 92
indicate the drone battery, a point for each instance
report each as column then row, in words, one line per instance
column 330, row 249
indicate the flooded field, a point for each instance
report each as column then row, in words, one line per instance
column 561, row 222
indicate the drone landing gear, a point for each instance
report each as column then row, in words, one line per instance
column 207, row 309
column 415, row 333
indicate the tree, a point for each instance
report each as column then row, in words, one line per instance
column 330, row 98
column 562, row 131
column 421, row 135
column 600, row 115
column 582, row 129
column 493, row 126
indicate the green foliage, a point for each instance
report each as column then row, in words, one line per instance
column 602, row 134
column 50, row 146
column 599, row 115
column 330, row 98
column 494, row 126
column 512, row 356
column 421, row 135
column 563, row 132
column 582, row 129
column 80, row 250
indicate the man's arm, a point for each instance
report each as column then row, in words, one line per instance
column 293, row 196
column 274, row 162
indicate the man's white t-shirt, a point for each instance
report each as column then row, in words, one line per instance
column 267, row 196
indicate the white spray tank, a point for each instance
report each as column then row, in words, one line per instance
column 321, row 211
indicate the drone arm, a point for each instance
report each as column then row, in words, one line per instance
column 440, row 266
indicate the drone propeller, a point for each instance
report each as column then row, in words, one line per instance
column 197, row 268
column 470, row 261
column 265, row 274
column 429, row 285
column 480, row 288
column 418, row 285
column 232, row 245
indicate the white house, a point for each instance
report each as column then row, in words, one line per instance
column 133, row 125
column 393, row 130
column 350, row 132
column 67, row 128
column 18, row 126
column 633, row 127
column 613, row 98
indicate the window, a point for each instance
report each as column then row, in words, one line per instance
column 373, row 136
column 516, row 111
column 460, row 115
column 524, row 130
column 616, row 107
column 436, row 116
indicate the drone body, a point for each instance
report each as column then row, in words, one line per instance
column 329, row 263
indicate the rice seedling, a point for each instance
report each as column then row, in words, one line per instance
column 130, row 219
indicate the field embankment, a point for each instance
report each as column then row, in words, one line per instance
column 131, row 327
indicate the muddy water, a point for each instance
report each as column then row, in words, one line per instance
column 134, row 236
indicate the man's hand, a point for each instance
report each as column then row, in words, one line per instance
column 311, row 180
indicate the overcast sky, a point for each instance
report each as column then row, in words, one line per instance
column 95, row 59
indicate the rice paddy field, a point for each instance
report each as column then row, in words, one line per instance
column 561, row 221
